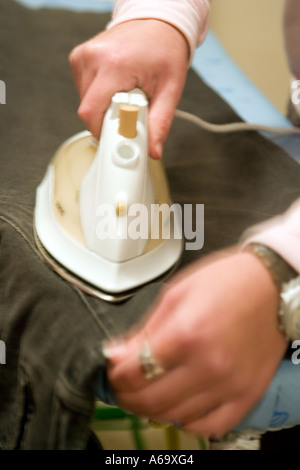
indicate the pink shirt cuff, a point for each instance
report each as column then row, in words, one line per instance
column 190, row 17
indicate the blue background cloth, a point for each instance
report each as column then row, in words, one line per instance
column 75, row 5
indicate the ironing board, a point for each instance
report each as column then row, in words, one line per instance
column 52, row 331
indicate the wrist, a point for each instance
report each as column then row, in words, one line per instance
column 287, row 283
column 260, row 296
column 190, row 17
column 161, row 30
column 279, row 270
column 263, row 283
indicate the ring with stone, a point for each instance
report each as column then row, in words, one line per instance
column 149, row 365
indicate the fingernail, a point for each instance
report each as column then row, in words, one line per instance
column 113, row 348
column 158, row 149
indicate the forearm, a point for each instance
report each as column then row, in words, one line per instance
column 190, row 17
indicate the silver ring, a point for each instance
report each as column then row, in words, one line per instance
column 149, row 365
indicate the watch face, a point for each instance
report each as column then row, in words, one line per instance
column 290, row 308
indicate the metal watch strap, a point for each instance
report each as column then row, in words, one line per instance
column 289, row 312
column 282, row 274
column 279, row 269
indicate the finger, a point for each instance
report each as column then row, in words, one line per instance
column 163, row 339
column 217, row 422
column 98, row 98
column 170, row 400
column 83, row 72
column 154, row 399
column 177, row 366
column 119, row 349
column 188, row 408
column 166, row 341
column 128, row 367
column 161, row 114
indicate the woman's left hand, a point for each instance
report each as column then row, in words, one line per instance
column 214, row 331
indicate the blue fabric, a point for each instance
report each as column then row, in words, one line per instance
column 76, row 5
column 280, row 406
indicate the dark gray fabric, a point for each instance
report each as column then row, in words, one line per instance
column 52, row 331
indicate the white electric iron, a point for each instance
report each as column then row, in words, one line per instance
column 102, row 216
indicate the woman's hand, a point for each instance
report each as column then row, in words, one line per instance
column 148, row 54
column 215, row 333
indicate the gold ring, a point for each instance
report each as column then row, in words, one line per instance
column 149, row 365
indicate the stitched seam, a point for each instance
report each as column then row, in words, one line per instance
column 78, row 292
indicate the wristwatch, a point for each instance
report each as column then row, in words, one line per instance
column 287, row 281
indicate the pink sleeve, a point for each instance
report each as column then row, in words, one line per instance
column 281, row 233
column 191, row 17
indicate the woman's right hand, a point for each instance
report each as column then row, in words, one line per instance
column 149, row 54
